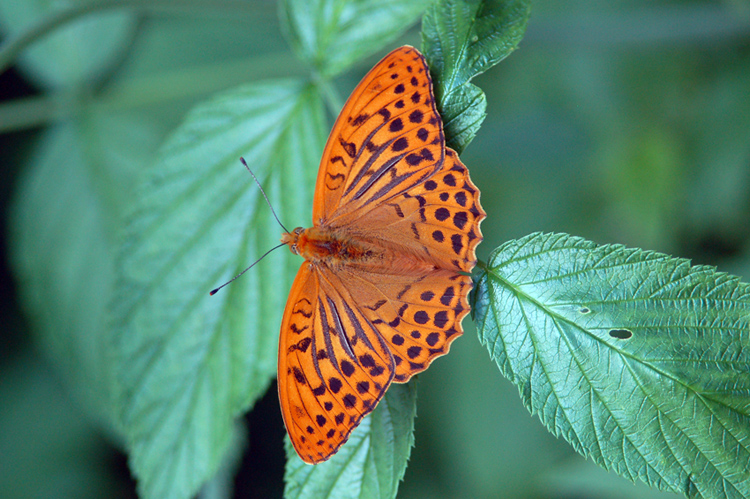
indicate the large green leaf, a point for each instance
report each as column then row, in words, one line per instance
column 639, row 360
column 189, row 364
column 461, row 39
column 371, row 463
column 331, row 35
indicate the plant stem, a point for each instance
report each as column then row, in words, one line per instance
column 145, row 91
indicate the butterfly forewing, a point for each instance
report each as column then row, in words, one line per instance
column 387, row 138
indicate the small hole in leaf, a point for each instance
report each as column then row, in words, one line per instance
column 584, row 310
column 620, row 334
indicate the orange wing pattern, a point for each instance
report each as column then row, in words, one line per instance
column 338, row 367
column 419, row 312
column 437, row 219
column 387, row 138
column 384, row 287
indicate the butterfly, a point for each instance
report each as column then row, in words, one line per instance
column 384, row 285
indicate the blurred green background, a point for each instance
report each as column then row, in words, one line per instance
column 626, row 122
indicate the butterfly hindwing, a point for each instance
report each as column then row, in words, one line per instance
column 417, row 315
column 438, row 219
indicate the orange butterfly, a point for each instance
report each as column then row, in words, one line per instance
column 384, row 287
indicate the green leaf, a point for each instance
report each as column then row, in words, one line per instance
column 636, row 358
column 461, row 39
column 63, row 226
column 371, row 463
column 331, row 35
column 188, row 364
column 67, row 55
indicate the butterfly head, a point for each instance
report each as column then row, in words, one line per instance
column 292, row 239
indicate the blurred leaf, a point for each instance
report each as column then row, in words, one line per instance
column 331, row 35
column 67, row 56
column 638, row 177
column 639, row 360
column 579, row 478
column 48, row 450
column 63, row 224
column 373, row 461
column 221, row 484
column 187, row 363
column 461, row 39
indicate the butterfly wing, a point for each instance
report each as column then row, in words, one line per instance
column 386, row 173
column 388, row 138
column 419, row 312
column 418, row 316
column 436, row 220
column 349, row 331
column 333, row 365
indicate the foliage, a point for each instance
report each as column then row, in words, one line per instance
column 637, row 359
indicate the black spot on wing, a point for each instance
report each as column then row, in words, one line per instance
column 299, row 376
column 447, row 297
column 460, row 219
column 432, row 339
column 421, row 317
column 385, row 113
column 350, row 148
column 347, row 368
column 360, row 119
column 442, row 214
column 460, row 198
column 400, row 144
column 334, row 384
column 456, row 243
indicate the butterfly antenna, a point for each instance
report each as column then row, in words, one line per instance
column 214, row 291
column 264, row 195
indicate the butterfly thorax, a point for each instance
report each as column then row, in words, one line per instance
column 335, row 248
